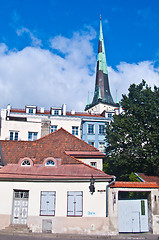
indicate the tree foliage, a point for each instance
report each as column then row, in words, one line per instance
column 133, row 135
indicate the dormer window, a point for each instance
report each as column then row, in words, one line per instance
column 31, row 109
column 50, row 162
column 56, row 111
column 26, row 162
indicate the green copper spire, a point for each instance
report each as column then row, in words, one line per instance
column 102, row 91
column 101, row 54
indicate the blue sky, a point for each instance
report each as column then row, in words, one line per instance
column 48, row 49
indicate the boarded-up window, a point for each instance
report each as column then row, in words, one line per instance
column 47, row 203
column 74, row 205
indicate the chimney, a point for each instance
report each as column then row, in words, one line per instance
column 9, row 107
column 64, row 109
column 73, row 112
column 42, row 110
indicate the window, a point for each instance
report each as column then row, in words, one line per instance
column 53, row 128
column 101, row 129
column 109, row 115
column 30, row 110
column 32, row 136
column 91, row 143
column 102, row 147
column 21, row 194
column 14, row 136
column 50, row 163
column 26, row 162
column 74, row 204
column 47, row 207
column 56, row 112
column 93, row 164
column 75, row 131
column 90, row 128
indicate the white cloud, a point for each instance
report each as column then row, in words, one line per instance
column 41, row 77
column 127, row 74
column 34, row 76
column 34, row 40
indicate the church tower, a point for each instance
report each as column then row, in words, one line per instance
column 102, row 100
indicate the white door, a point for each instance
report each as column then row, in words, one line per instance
column 135, row 218
column 20, row 207
column 133, row 215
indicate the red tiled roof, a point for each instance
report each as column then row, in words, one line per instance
column 18, row 110
column 149, row 178
column 47, row 112
column 56, row 145
column 85, row 154
column 39, row 171
column 134, row 185
column 84, row 114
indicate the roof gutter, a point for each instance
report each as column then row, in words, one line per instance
column 142, row 180
column 114, row 178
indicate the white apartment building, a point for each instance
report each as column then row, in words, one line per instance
column 30, row 124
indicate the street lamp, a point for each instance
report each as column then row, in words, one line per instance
column 92, row 187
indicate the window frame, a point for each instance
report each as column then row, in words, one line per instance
column 56, row 112
column 49, row 165
column 101, row 129
column 89, row 130
column 30, row 110
column 15, row 135
column 110, row 115
column 33, row 136
column 53, row 128
column 73, row 202
column 26, row 165
column 93, row 163
column 54, row 200
column 75, row 130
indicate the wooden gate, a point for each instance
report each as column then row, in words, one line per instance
column 20, row 207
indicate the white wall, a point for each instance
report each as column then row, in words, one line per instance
column 98, row 161
column 99, row 108
column 33, row 124
column 94, row 206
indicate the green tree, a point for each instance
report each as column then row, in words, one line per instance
column 133, row 136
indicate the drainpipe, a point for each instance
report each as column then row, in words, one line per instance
column 114, row 178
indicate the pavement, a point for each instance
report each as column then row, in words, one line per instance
column 58, row 236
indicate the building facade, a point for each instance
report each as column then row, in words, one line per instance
column 30, row 124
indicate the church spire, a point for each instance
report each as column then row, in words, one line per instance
column 102, row 83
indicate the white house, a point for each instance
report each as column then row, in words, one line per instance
column 47, row 188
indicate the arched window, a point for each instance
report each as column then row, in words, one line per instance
column 26, row 162
column 50, row 162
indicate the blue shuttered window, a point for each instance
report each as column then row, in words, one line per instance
column 74, row 205
column 47, row 203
